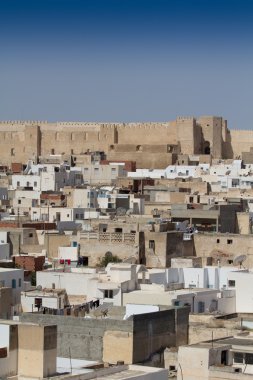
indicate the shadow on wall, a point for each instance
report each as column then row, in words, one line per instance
column 227, row 146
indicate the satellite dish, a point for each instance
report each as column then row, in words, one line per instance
column 238, row 260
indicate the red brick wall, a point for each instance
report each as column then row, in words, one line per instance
column 29, row 263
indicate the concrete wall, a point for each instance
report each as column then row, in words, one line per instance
column 84, row 336
column 92, row 339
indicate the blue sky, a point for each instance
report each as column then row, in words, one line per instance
column 126, row 60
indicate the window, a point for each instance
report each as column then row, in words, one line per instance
column 19, row 282
column 12, row 152
column 19, row 201
column 235, row 182
column 35, row 184
column 30, row 235
column 230, row 261
column 108, row 293
column 231, row 283
column 238, row 357
column 96, row 171
column 151, row 244
column 18, row 183
column 248, row 358
column 38, row 302
column 224, row 356
column 201, row 307
column 13, row 284
column 229, row 241
column 52, row 151
column 218, row 241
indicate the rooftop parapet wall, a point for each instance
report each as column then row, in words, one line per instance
column 146, row 334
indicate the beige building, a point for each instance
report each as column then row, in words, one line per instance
column 149, row 144
column 229, row 358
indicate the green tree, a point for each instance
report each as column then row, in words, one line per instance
column 33, row 278
column 109, row 258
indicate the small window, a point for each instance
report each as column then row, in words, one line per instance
column 248, row 358
column 30, row 235
column 109, row 293
column 12, row 152
column 27, row 184
column 151, row 244
column 19, row 282
column 218, row 241
column 238, row 357
column 38, row 302
column 201, row 307
column 35, row 184
column 52, row 151
column 231, row 283
column 229, row 241
column 230, row 262
column 19, row 201
column 18, row 183
column 13, row 284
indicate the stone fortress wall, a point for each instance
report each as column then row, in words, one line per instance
column 151, row 145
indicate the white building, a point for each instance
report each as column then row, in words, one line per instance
column 13, row 278
column 242, row 282
column 35, row 300
column 4, row 246
column 199, row 300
